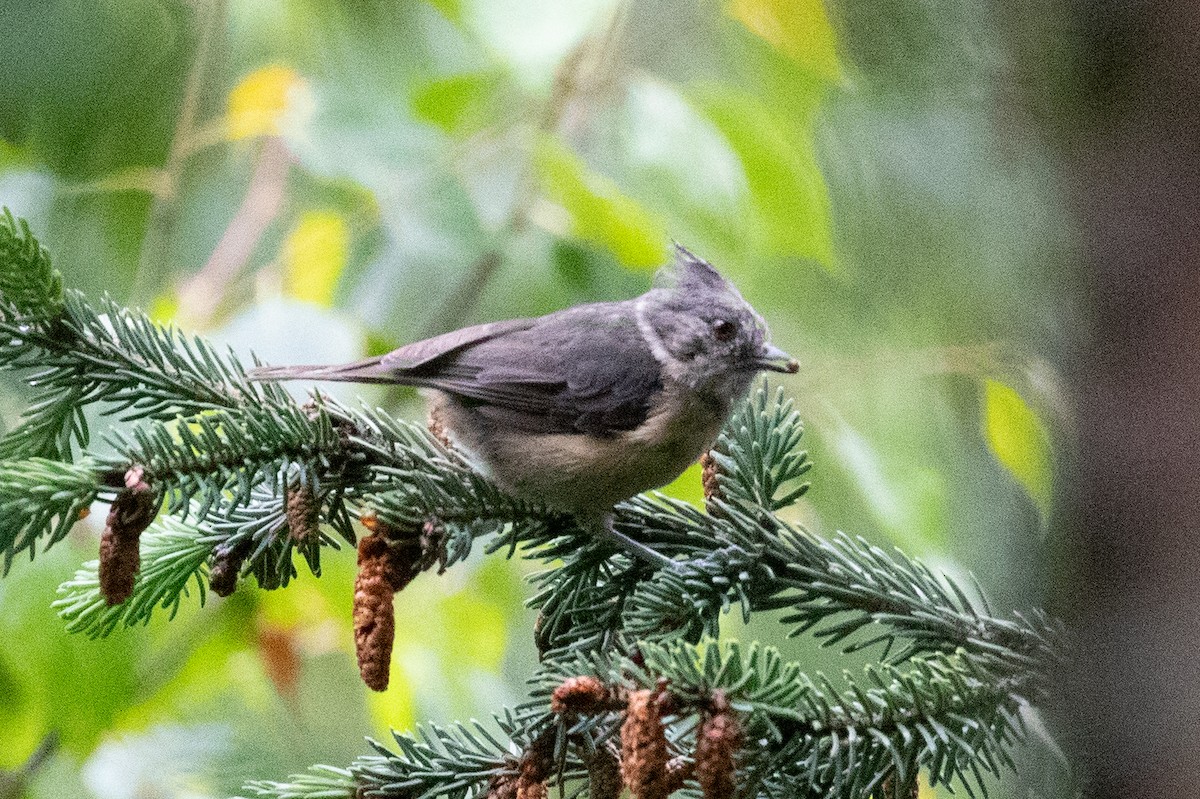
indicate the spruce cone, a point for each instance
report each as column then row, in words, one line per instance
column 527, row 789
column 708, row 477
column 388, row 560
column 537, row 766
column 132, row 511
column 226, row 567
column 604, row 775
column 580, row 695
column 437, row 428
column 374, row 616
column 303, row 512
column 678, row 772
column 892, row 789
column 644, row 753
column 502, row 786
column 717, row 744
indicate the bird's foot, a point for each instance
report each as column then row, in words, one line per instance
column 637, row 548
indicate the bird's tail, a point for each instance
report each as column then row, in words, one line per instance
column 368, row 370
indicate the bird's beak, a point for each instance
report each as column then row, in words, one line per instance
column 774, row 359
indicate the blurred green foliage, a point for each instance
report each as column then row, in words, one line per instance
column 317, row 179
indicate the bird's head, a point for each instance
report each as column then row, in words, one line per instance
column 703, row 333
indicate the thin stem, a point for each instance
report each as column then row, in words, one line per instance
column 564, row 90
column 164, row 210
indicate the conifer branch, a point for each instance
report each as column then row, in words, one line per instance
column 42, row 498
column 173, row 556
column 249, row 478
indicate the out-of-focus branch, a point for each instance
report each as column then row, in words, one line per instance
column 201, row 295
column 164, row 211
column 585, row 69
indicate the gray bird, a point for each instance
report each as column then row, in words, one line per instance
column 588, row 406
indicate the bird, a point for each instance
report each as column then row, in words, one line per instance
column 587, row 406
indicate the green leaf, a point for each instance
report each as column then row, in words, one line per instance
column 599, row 211
column 315, row 255
column 787, row 190
column 1018, row 439
column 460, row 104
column 799, row 29
column 688, row 486
column 53, row 680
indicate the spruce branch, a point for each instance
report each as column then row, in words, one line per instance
column 937, row 714
column 173, row 557
column 42, row 498
column 248, row 478
column 29, row 286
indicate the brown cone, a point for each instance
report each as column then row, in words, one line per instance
column 134, row 508
column 580, row 695
column 537, row 765
column 302, row 511
column 644, row 755
column 604, row 775
column 437, row 428
column 374, row 616
column 388, row 560
column 708, row 477
column 717, row 744
column 226, row 567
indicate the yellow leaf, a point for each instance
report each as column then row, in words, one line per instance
column 314, row 255
column 1018, row 439
column 263, row 102
column 164, row 308
column 799, row 29
column 600, row 212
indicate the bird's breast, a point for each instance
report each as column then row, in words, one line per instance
column 588, row 474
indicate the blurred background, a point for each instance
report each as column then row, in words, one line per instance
column 893, row 184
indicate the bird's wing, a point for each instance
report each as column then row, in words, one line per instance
column 421, row 353
column 583, row 370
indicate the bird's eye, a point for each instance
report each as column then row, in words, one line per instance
column 724, row 330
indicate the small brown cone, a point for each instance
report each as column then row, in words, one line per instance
column 527, row 789
column 580, row 695
column 892, row 789
column 134, row 508
column 678, row 772
column 644, row 755
column 226, row 567
column 303, row 513
column 388, row 560
column 537, row 765
column 503, row 786
column 717, row 744
column 708, row 477
column 374, row 615
column 437, row 427
column 604, row 775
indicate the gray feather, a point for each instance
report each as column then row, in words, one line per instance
column 582, row 370
column 368, row 370
column 420, row 353
column 597, row 369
